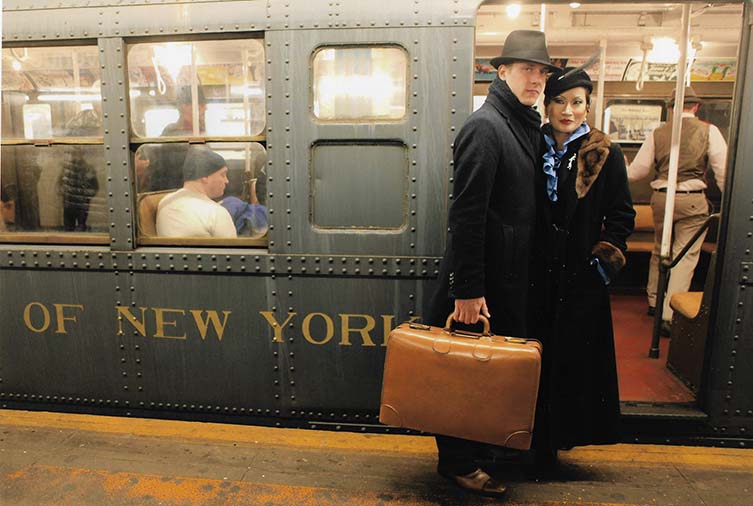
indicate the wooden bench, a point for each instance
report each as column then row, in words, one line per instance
column 690, row 324
column 642, row 238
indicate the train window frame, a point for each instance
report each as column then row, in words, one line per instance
column 136, row 141
column 350, row 228
column 366, row 119
column 55, row 237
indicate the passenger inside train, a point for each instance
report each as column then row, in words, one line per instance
column 192, row 211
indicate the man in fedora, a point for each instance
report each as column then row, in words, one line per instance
column 491, row 221
column 701, row 146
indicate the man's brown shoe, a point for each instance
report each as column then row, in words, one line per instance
column 478, row 482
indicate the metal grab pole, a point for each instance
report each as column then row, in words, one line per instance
column 664, row 268
column 674, row 158
column 653, row 352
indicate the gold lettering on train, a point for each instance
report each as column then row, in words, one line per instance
column 307, row 328
column 346, row 329
column 277, row 327
column 160, row 322
column 61, row 318
column 214, row 319
column 45, row 317
column 139, row 325
column 386, row 327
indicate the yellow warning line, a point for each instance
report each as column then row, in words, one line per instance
column 313, row 439
column 75, row 486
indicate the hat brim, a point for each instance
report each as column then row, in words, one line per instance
column 503, row 60
column 687, row 101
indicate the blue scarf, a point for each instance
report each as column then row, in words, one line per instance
column 553, row 157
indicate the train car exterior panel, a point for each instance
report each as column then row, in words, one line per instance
column 59, row 339
column 104, row 19
column 121, row 194
column 144, row 19
column 335, row 337
column 343, row 14
column 200, row 342
column 729, row 381
column 422, row 131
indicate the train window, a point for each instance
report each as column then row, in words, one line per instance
column 183, row 198
column 369, row 180
column 218, row 83
column 46, row 88
column 47, row 190
column 354, row 84
column 52, row 175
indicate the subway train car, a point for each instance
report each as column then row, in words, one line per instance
column 336, row 122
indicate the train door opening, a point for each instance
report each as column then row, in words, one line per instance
column 633, row 78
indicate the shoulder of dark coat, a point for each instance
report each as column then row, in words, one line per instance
column 486, row 122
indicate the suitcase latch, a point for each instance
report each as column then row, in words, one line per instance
column 419, row 326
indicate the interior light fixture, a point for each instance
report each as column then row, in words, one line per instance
column 513, row 10
column 574, row 5
column 665, row 50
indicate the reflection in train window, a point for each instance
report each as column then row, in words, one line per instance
column 46, row 88
column 185, row 182
column 52, row 191
column 360, row 83
column 60, row 188
column 221, row 83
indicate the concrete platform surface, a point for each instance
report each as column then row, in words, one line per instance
column 65, row 459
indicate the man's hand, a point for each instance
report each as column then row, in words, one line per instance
column 467, row 310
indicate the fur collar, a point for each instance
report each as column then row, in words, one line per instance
column 592, row 155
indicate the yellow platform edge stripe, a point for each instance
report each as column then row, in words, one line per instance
column 329, row 440
column 80, row 484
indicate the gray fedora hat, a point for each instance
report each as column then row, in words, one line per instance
column 524, row 45
column 690, row 97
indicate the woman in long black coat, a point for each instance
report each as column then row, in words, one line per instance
column 585, row 216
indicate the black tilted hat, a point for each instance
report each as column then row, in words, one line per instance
column 524, row 45
column 555, row 85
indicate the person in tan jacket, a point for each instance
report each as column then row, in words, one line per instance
column 701, row 146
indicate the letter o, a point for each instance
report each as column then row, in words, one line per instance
column 45, row 315
column 307, row 328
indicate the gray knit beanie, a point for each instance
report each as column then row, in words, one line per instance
column 201, row 162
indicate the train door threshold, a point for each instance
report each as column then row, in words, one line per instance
column 664, row 411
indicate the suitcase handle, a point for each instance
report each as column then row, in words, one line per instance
column 475, row 335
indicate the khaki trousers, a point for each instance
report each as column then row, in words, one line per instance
column 691, row 210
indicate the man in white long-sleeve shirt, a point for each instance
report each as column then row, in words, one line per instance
column 701, row 146
column 191, row 211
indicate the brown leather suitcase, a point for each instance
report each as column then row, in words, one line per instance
column 472, row 386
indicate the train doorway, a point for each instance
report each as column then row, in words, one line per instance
column 637, row 70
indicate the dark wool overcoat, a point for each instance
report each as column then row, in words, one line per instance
column 579, row 399
column 492, row 215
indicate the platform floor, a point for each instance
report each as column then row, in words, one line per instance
column 83, row 460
